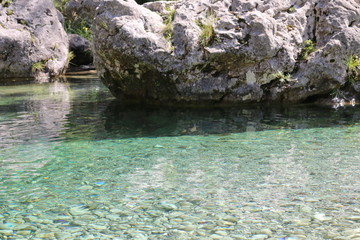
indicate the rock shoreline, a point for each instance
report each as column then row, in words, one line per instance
column 195, row 52
column 258, row 51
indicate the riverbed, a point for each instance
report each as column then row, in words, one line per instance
column 77, row 164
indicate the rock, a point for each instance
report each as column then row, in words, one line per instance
column 81, row 10
column 168, row 206
column 45, row 235
column 259, row 236
column 97, row 226
column 354, row 218
column 230, row 219
column 33, row 42
column 81, row 48
column 6, row 232
column 7, row 226
column 255, row 51
column 221, row 233
column 62, row 235
column 322, row 217
column 78, row 211
column 85, row 187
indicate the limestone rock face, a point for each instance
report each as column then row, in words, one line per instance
column 32, row 40
column 229, row 51
column 81, row 9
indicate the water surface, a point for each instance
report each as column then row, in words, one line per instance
column 76, row 164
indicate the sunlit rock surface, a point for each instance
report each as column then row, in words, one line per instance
column 33, row 42
column 280, row 50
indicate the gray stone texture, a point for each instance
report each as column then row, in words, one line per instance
column 254, row 43
column 30, row 33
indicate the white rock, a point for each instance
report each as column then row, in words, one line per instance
column 322, row 217
column 78, row 211
column 63, row 236
column 260, row 236
column 98, row 227
column 354, row 218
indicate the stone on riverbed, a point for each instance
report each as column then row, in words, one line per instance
column 283, row 51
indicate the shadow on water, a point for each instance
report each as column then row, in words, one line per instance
column 83, row 109
column 140, row 121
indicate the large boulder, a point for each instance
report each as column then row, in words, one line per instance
column 229, row 51
column 32, row 40
column 81, row 10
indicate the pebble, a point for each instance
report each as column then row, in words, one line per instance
column 63, row 236
column 187, row 227
column 23, row 232
column 86, row 187
column 6, row 232
column 6, row 226
column 322, row 217
column 112, row 217
column 23, row 227
column 168, row 206
column 216, row 236
column 266, row 231
column 45, row 235
column 97, row 227
column 230, row 219
column 239, row 236
column 221, row 233
column 354, row 218
column 78, row 211
column 260, row 236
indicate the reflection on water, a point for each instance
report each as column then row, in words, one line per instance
column 76, row 164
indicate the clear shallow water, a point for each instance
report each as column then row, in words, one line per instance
column 75, row 164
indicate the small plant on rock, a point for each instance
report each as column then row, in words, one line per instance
column 282, row 77
column 70, row 56
column 207, row 35
column 9, row 12
column 60, row 4
column 5, row 3
column 307, row 48
column 168, row 21
column 38, row 66
column 352, row 68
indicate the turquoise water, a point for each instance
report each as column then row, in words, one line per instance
column 76, row 164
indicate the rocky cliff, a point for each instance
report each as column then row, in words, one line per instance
column 33, row 42
column 228, row 51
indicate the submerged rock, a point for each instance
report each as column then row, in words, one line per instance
column 33, row 42
column 230, row 51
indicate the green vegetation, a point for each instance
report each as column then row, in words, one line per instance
column 291, row 9
column 22, row 21
column 9, row 12
column 76, row 26
column 6, row 3
column 80, row 27
column 307, row 48
column 38, row 66
column 59, row 4
column 70, row 56
column 282, row 77
column 168, row 21
column 352, row 68
column 207, row 35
